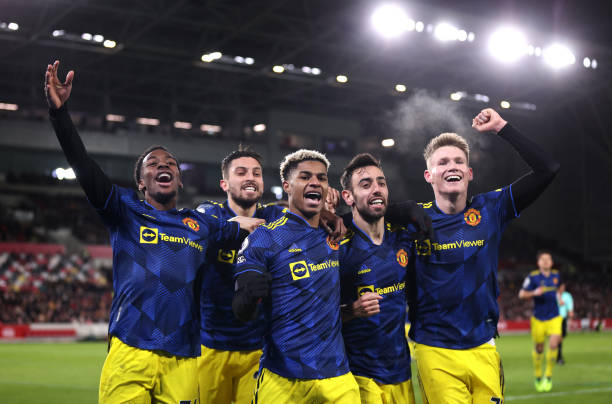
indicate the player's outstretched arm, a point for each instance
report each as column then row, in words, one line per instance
column 530, row 294
column 544, row 168
column 95, row 183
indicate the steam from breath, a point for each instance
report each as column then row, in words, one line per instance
column 424, row 115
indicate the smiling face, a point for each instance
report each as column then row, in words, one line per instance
column 244, row 182
column 160, row 178
column 368, row 193
column 307, row 187
column 448, row 171
column 545, row 262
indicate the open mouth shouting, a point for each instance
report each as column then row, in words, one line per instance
column 164, row 179
column 453, row 178
column 249, row 187
column 313, row 198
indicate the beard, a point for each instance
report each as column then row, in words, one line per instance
column 370, row 216
column 163, row 198
column 244, row 203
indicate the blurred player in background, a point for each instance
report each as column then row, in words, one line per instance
column 543, row 286
column 566, row 311
column 373, row 265
column 454, row 311
column 292, row 267
column 157, row 252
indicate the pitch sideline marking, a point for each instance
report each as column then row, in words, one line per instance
column 560, row 393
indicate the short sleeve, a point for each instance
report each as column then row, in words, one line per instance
column 253, row 255
column 528, row 285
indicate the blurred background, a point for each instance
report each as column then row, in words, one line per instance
column 342, row 77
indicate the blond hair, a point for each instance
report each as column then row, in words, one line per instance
column 447, row 139
column 292, row 160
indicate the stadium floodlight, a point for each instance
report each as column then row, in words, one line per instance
column 98, row 38
column 207, row 58
column 537, row 51
column 400, row 88
column 182, row 125
column 86, row 36
column 558, row 56
column 446, row 32
column 260, row 127
column 390, row 20
column 387, row 143
column 8, row 107
column 481, row 97
column 462, row 35
column 316, row 71
column 216, row 55
column 508, row 44
column 210, row 129
column 457, row 95
column 419, row 26
column 306, row 69
column 58, row 32
column 148, row 121
column 64, row 173
column 238, row 59
column 108, row 43
column 13, row 26
column 277, row 191
column 471, row 36
column 504, row 104
column 341, row 78
column 115, row 118
column 586, row 62
column 594, row 63
column 278, row 69
column 249, row 61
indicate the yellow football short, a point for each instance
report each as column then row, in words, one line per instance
column 373, row 392
column 542, row 329
column 459, row 376
column 227, row 376
column 137, row 376
column 274, row 389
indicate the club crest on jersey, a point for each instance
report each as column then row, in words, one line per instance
column 299, row 270
column 402, row 257
column 361, row 290
column 148, row 235
column 555, row 281
column 331, row 244
column 472, row 217
column 193, row 225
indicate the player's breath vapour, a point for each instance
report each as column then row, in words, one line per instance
column 425, row 115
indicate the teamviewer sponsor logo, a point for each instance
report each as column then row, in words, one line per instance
column 361, row 290
column 148, row 235
column 299, row 270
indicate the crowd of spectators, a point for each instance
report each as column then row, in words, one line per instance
column 53, row 288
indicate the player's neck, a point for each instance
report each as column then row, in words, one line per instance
column 451, row 203
column 375, row 230
column 171, row 204
column 241, row 210
column 313, row 221
column 546, row 272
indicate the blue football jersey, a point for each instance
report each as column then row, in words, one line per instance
column 545, row 306
column 376, row 346
column 455, row 305
column 302, row 339
column 219, row 328
column 157, row 256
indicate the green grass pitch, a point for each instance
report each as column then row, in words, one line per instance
column 68, row 373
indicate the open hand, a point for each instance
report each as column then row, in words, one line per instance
column 57, row 92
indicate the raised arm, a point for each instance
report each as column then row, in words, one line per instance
column 94, row 182
column 526, row 189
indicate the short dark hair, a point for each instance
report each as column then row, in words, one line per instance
column 542, row 252
column 138, row 165
column 359, row 161
column 243, row 151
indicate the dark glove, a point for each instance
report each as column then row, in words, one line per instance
column 410, row 212
column 251, row 288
